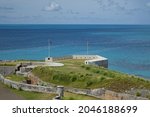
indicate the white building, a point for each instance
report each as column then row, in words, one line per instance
column 93, row 60
column 48, row 59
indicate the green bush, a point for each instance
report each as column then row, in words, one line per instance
column 96, row 71
column 87, row 68
column 102, row 78
column 83, row 66
column 73, row 75
column 105, row 74
column 89, row 83
column 138, row 94
column 20, row 89
column 81, row 75
column 73, row 78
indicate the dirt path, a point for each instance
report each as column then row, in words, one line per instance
column 6, row 94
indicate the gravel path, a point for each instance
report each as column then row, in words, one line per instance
column 6, row 94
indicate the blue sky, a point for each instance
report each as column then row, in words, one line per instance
column 74, row 11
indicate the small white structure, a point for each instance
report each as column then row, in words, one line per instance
column 99, row 62
column 49, row 62
column 53, row 64
column 48, row 59
column 93, row 60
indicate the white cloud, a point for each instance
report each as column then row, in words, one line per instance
column 52, row 7
column 148, row 4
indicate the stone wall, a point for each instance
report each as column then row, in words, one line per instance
column 104, row 94
column 6, row 70
column 27, row 87
column 98, row 93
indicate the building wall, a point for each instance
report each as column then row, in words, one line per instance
column 48, row 59
column 99, row 61
column 103, row 63
column 84, row 56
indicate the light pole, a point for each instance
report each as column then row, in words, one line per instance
column 87, row 47
column 49, row 48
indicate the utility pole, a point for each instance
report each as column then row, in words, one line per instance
column 87, row 47
column 49, row 48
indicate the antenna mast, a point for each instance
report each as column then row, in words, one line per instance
column 49, row 48
column 87, row 47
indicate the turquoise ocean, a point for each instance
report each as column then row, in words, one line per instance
column 127, row 47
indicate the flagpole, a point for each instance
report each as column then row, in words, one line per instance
column 49, row 48
column 87, row 47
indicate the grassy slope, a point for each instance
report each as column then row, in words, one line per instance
column 16, row 78
column 72, row 96
column 76, row 74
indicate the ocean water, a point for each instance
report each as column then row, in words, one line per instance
column 127, row 47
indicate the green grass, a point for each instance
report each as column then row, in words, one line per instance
column 16, row 78
column 76, row 74
column 7, row 64
column 48, row 96
column 34, row 95
column 72, row 96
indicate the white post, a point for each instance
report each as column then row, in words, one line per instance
column 60, row 91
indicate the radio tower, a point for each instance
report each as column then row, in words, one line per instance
column 49, row 48
column 87, row 47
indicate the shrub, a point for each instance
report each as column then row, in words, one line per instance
column 83, row 66
column 88, row 74
column 87, row 68
column 20, row 89
column 82, row 78
column 138, row 94
column 102, row 79
column 81, row 75
column 105, row 73
column 71, row 72
column 73, row 78
column 96, row 71
column 89, row 83
column 112, row 75
column 148, row 96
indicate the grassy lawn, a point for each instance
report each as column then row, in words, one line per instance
column 7, row 63
column 16, row 78
column 75, row 74
column 72, row 96
column 34, row 95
